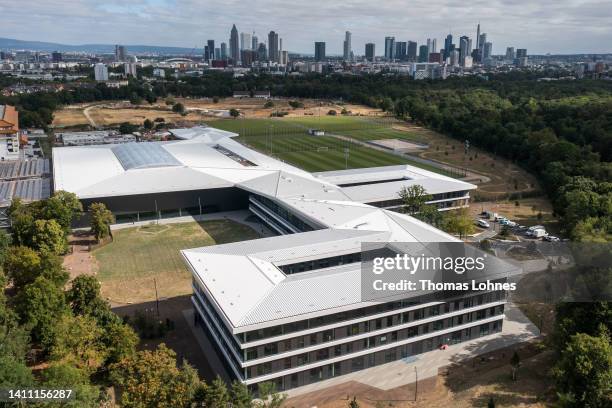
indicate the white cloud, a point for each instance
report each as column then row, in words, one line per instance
column 564, row 26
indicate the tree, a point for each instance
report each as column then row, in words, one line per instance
column 584, row 371
column 234, row 113
column 127, row 128
column 414, row 198
column 40, row 305
column 83, row 294
column 101, row 220
column 48, row 237
column 178, row 108
column 120, row 341
column 458, row 222
column 515, row 363
column 22, row 266
column 332, row 112
column 62, row 207
column 5, row 243
column 216, row 395
column 61, row 375
column 148, row 124
column 240, row 396
column 268, row 395
column 151, row 379
column 268, row 104
column 77, row 341
column 353, row 403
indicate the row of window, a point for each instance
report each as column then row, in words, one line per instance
column 283, row 213
column 367, row 326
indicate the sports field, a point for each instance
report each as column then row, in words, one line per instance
column 288, row 140
column 140, row 257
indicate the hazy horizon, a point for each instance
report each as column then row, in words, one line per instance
column 566, row 27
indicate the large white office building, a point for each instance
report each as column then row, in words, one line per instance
column 288, row 308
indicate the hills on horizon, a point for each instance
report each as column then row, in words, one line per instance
column 14, row 44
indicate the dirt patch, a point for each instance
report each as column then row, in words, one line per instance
column 80, row 261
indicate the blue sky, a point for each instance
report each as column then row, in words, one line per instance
column 564, row 26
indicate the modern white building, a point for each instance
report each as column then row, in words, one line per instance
column 286, row 309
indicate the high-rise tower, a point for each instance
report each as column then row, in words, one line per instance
column 234, row 47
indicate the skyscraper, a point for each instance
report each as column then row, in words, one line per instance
column 223, row 51
column 211, row 50
column 347, row 46
column 389, row 48
column 245, row 41
column 370, row 52
column 478, row 37
column 400, row 50
column 429, row 47
column 510, row 53
column 262, row 52
column 120, row 53
column 254, row 42
column 423, row 53
column 465, row 47
column 434, row 46
column 488, row 50
column 319, row 51
column 482, row 39
column 448, row 45
column 100, row 72
column 412, row 51
column 521, row 52
column 234, row 47
column 273, row 46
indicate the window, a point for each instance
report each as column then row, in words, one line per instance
column 252, row 353
column 270, row 349
column 287, row 345
column 382, row 340
column 300, row 342
column 418, row 314
column 302, row 359
column 263, row 369
column 337, row 351
column 413, row 331
column 438, row 325
column 352, row 330
column 389, row 321
column 378, row 324
column 328, row 335
column 313, row 339
column 434, row 310
column 322, row 354
column 484, row 329
column 287, row 363
column 316, row 374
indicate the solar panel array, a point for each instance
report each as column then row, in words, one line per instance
column 19, row 169
column 143, row 156
column 27, row 190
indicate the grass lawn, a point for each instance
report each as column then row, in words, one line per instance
column 287, row 139
column 128, row 266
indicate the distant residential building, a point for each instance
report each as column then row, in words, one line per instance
column 234, row 46
column 273, row 46
column 56, row 56
column 320, row 51
column 284, row 57
column 521, row 53
column 347, row 46
column 370, row 51
column 129, row 69
column 261, row 94
column 411, row 51
column 120, row 53
column 242, row 94
column 9, row 133
column 100, row 72
column 423, row 53
column 389, row 48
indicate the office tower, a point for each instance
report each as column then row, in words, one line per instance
column 55, row 56
column 206, row 55
column 223, row 51
column 521, row 53
column 100, row 72
column 389, row 48
column 209, row 50
column 319, row 51
column 400, row 50
column 217, row 54
column 280, row 47
column 234, row 47
column 448, row 45
column 478, row 37
column 273, row 46
column 488, row 50
column 482, row 39
column 262, row 52
column 454, row 57
column 129, row 69
column 412, row 51
column 423, row 53
column 120, row 53
column 369, row 52
column 254, row 42
column 247, row 57
column 467, row 62
column 435, row 57
column 510, row 53
column 434, row 46
column 245, row 41
column 347, row 46
column 429, row 46
column 464, row 47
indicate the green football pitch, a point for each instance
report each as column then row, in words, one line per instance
column 287, row 139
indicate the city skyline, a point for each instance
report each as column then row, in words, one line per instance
column 159, row 22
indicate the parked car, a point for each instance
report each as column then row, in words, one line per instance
column 482, row 223
column 551, row 238
column 500, row 218
column 508, row 223
column 537, row 233
column 536, row 227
